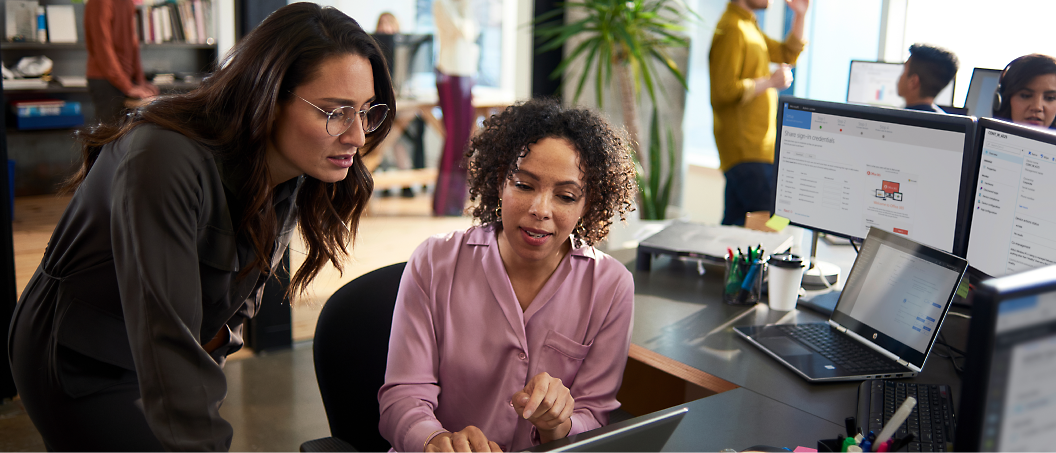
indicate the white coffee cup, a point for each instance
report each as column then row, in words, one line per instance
column 786, row 276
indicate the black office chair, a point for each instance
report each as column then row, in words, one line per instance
column 351, row 348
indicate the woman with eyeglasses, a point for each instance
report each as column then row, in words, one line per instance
column 515, row 332
column 182, row 211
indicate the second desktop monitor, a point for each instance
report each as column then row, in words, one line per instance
column 843, row 168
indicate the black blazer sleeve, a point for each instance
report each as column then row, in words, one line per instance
column 160, row 191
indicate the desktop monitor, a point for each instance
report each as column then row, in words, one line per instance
column 1008, row 401
column 1013, row 217
column 876, row 83
column 980, row 99
column 405, row 56
column 841, row 168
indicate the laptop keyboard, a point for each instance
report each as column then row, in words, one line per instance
column 842, row 350
column 933, row 420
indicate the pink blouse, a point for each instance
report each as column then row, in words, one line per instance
column 461, row 347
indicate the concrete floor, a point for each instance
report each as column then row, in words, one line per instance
column 273, row 401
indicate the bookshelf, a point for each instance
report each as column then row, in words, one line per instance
column 44, row 158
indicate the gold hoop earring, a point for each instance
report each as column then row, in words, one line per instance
column 498, row 210
column 580, row 231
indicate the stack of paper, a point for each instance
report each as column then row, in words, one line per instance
column 72, row 80
column 25, row 84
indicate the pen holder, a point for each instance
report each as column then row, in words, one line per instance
column 743, row 281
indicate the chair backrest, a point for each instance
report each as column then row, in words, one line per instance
column 351, row 348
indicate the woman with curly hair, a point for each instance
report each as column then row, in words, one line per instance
column 515, row 332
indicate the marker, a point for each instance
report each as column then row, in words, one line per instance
column 852, row 426
column 900, row 443
column 847, row 443
column 896, row 420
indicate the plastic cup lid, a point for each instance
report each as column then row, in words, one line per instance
column 786, row 260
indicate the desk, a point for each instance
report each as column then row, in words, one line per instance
column 739, row 419
column 681, row 326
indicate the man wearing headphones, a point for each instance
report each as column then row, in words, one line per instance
column 1026, row 91
column 926, row 72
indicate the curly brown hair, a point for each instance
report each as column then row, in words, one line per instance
column 604, row 158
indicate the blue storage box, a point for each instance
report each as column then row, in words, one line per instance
column 47, row 114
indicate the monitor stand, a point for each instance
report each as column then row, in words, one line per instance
column 820, row 276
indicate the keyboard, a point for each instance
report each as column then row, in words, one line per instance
column 841, row 349
column 933, row 421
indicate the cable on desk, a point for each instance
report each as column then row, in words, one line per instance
column 953, row 354
column 855, row 246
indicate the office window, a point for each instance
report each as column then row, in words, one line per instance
column 983, row 33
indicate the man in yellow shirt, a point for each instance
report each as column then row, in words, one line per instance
column 745, row 106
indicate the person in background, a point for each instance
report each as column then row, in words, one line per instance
column 744, row 100
column 114, row 69
column 387, row 24
column 456, row 66
column 515, row 332
column 181, row 212
column 925, row 73
column 1026, row 91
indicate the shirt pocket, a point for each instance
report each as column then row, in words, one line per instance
column 217, row 263
column 216, row 248
column 562, row 357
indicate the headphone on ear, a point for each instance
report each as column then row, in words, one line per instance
column 999, row 94
column 999, row 99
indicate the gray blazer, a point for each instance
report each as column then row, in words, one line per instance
column 142, row 269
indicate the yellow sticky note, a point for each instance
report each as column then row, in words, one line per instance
column 777, row 223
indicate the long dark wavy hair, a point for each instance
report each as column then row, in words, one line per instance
column 604, row 158
column 233, row 113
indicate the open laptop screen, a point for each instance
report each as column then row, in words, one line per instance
column 897, row 294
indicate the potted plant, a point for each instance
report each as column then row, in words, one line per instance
column 625, row 38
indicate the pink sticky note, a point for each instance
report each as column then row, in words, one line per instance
column 805, row 450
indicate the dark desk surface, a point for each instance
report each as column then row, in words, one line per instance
column 739, row 419
column 680, row 316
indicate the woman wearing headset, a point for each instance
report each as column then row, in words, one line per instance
column 1026, row 92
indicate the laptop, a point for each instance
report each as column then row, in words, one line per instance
column 1007, row 401
column 886, row 319
column 645, row 433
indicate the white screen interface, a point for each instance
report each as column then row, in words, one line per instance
column 875, row 83
column 1020, row 399
column 904, row 296
column 980, row 99
column 845, row 174
column 1014, row 217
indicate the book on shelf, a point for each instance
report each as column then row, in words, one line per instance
column 47, row 114
column 62, row 24
column 181, row 21
column 20, row 20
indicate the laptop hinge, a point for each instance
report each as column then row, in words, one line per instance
column 837, row 326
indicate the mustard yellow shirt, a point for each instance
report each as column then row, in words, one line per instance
column 745, row 124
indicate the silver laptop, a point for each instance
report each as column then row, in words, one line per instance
column 645, row 433
column 885, row 322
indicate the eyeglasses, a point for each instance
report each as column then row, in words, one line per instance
column 340, row 119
